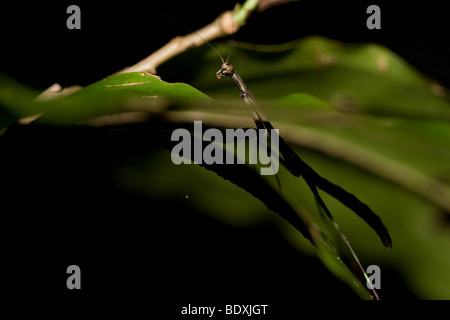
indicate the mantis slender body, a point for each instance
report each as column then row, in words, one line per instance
column 227, row 70
column 298, row 167
column 314, row 181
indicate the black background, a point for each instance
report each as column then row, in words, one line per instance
column 66, row 210
column 38, row 48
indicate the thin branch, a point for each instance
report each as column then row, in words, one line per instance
column 227, row 23
column 52, row 92
column 55, row 90
column 267, row 4
column 224, row 25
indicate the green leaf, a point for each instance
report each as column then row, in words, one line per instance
column 358, row 114
column 365, row 78
column 16, row 100
column 119, row 93
column 115, row 94
column 386, row 139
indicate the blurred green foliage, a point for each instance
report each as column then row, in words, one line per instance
column 358, row 114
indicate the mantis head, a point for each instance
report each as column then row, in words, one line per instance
column 226, row 70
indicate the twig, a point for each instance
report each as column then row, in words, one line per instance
column 227, row 23
column 221, row 27
column 55, row 90
column 52, row 92
column 267, row 4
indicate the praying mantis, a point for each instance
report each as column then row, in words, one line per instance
column 299, row 168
